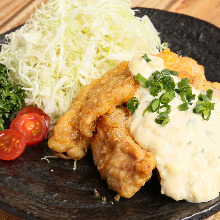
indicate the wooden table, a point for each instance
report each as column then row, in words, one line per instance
column 15, row 12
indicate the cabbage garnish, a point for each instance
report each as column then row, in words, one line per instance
column 67, row 44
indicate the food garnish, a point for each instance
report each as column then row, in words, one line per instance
column 159, row 81
column 71, row 43
column 27, row 129
column 133, row 104
column 32, row 126
column 12, row 144
column 11, row 97
column 146, row 58
column 35, row 110
column 204, row 106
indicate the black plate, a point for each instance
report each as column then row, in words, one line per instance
column 33, row 189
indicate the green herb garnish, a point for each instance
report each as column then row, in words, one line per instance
column 159, row 81
column 183, row 107
column 168, row 109
column 209, row 93
column 133, row 104
column 11, row 97
column 142, row 80
column 162, row 119
column 174, row 73
column 154, row 105
column 155, row 89
column 166, row 97
column 146, row 58
column 204, row 106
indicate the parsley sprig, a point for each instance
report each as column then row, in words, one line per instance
column 11, row 97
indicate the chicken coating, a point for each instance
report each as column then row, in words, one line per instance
column 189, row 68
column 74, row 130
column 119, row 159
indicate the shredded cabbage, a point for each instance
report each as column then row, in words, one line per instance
column 68, row 43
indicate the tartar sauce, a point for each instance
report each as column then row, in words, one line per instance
column 187, row 149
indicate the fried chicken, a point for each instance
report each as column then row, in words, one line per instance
column 119, row 159
column 96, row 111
column 188, row 68
column 74, row 130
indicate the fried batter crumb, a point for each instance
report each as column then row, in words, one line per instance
column 96, row 194
column 103, row 199
column 117, row 198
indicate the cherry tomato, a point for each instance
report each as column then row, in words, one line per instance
column 32, row 126
column 12, row 144
column 35, row 110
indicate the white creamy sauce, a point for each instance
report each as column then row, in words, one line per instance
column 187, row 149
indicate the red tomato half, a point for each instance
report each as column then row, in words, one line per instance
column 12, row 144
column 32, row 126
column 35, row 110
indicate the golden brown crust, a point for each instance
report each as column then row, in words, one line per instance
column 186, row 68
column 189, row 68
column 75, row 128
column 119, row 159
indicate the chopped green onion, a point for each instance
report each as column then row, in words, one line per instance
column 146, row 58
column 168, row 82
column 199, row 107
column 184, row 82
column 159, row 81
column 183, row 107
column 144, row 112
column 177, row 91
column 165, row 72
column 209, row 93
column 190, row 97
column 168, row 108
column 174, row 73
column 204, row 106
column 185, row 90
column 142, row 80
column 154, row 78
column 154, row 105
column 203, row 98
column 155, row 89
column 167, row 96
column 133, row 104
column 162, row 119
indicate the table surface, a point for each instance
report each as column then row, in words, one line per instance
column 15, row 12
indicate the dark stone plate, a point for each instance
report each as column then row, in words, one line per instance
column 34, row 189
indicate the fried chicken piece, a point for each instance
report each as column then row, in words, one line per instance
column 75, row 128
column 119, row 159
column 189, row 68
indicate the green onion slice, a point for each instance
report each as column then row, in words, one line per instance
column 165, row 72
column 146, row 58
column 133, row 104
column 155, row 89
column 142, row 80
column 183, row 107
column 167, row 96
column 209, row 93
column 168, row 108
column 174, row 73
column 154, row 105
column 162, row 119
column 184, row 82
column 204, row 106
